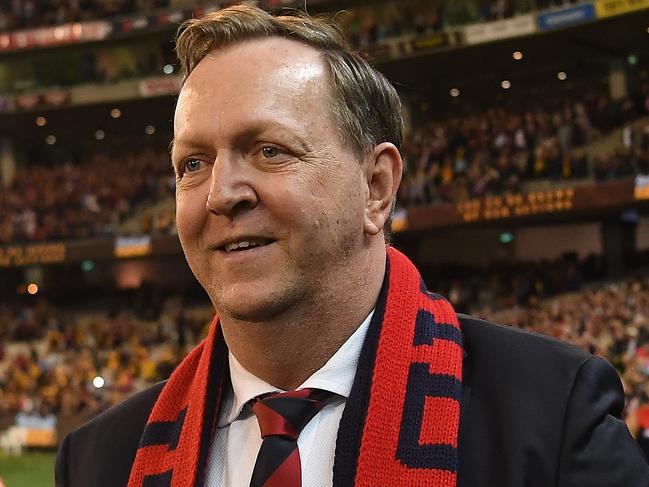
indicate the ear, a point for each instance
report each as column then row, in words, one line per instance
column 383, row 170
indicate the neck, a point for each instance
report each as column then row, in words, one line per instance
column 289, row 348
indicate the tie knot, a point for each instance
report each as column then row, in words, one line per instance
column 286, row 413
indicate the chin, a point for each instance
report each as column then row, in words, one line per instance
column 254, row 305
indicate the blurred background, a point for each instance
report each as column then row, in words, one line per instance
column 524, row 199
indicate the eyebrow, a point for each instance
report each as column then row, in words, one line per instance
column 263, row 127
column 254, row 129
column 192, row 143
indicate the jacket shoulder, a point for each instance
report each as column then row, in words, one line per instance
column 520, row 378
column 550, row 409
column 494, row 343
column 102, row 451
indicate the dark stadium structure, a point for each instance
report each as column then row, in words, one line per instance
column 527, row 172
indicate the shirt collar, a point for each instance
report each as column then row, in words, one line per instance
column 336, row 376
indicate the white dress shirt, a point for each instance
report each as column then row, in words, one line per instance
column 237, row 439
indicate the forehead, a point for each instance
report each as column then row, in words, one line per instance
column 271, row 77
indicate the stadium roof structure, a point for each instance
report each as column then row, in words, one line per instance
column 585, row 52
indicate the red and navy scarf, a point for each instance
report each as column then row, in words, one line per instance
column 400, row 423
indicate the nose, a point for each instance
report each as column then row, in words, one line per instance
column 231, row 189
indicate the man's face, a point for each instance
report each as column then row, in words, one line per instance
column 261, row 166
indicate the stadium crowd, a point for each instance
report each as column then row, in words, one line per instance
column 501, row 285
column 50, row 357
column 93, row 198
column 366, row 27
column 389, row 19
column 495, row 151
column 26, row 14
column 381, row 23
column 451, row 160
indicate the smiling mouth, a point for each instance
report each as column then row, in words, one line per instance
column 242, row 245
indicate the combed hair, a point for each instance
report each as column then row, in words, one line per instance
column 364, row 105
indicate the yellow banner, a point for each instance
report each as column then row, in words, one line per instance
column 607, row 8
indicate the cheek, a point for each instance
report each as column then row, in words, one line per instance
column 334, row 215
column 190, row 215
column 348, row 202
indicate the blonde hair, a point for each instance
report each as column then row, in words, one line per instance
column 364, row 105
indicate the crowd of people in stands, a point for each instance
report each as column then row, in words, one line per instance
column 90, row 199
column 631, row 158
column 495, row 151
column 50, row 357
column 367, row 26
column 27, row 14
column 380, row 23
column 490, row 153
column 501, row 285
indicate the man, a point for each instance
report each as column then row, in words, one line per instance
column 287, row 163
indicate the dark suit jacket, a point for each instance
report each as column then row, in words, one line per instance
column 534, row 413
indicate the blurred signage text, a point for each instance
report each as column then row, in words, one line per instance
column 567, row 17
column 54, row 36
column 518, row 205
column 21, row 255
column 607, row 8
column 126, row 247
column 500, row 29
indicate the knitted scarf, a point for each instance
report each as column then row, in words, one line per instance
column 400, row 423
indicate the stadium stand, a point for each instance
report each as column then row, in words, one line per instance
column 64, row 360
column 372, row 23
column 495, row 151
column 15, row 15
column 453, row 160
column 83, row 200
column 72, row 363
column 51, row 358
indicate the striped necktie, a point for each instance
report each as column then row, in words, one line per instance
column 281, row 417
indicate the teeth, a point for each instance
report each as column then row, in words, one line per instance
column 244, row 244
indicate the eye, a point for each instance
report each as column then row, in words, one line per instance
column 193, row 165
column 270, row 151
